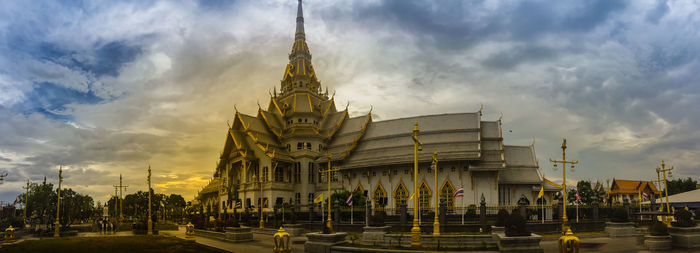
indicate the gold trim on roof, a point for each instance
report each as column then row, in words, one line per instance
column 552, row 183
column 294, row 104
column 274, row 101
column 340, row 123
column 261, row 112
column 358, row 137
column 330, row 103
column 311, row 107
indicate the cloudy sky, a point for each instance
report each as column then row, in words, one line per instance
column 108, row 87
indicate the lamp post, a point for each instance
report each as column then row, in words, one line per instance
column 58, row 204
column 417, row 146
column 26, row 203
column 436, row 223
column 260, row 205
column 663, row 170
column 563, row 163
column 150, row 222
column 329, row 223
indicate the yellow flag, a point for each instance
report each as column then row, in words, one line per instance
column 319, row 198
column 539, row 195
column 640, row 195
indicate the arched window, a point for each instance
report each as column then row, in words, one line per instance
column 359, row 188
column 379, row 197
column 446, row 193
column 400, row 195
column 424, row 197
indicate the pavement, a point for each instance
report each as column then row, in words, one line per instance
column 260, row 243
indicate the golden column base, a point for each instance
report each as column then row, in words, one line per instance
column 57, row 226
column 150, row 227
column 262, row 223
column 329, row 224
column 436, row 227
column 415, row 234
column 564, row 227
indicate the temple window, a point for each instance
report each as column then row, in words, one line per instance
column 446, row 193
column 379, row 197
column 424, row 198
column 308, row 145
column 400, row 195
column 300, row 145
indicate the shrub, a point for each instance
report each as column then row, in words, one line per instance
column 658, row 229
column 501, row 217
column 219, row 224
column 516, row 226
column 471, row 211
column 684, row 219
column 620, row 215
column 378, row 219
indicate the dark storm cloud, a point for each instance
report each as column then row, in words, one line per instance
column 460, row 24
column 508, row 59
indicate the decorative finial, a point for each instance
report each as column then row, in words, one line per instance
column 481, row 109
column 533, row 141
column 300, row 21
column 500, row 117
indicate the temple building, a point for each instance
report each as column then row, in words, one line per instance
column 288, row 143
column 631, row 190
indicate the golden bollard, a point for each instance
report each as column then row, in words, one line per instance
column 281, row 239
column 569, row 243
column 189, row 231
column 9, row 236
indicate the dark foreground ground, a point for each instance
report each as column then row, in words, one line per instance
column 129, row 244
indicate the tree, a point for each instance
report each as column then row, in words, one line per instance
column 42, row 205
column 75, row 206
column 42, row 202
column 175, row 206
column 587, row 192
column 358, row 197
column 681, row 185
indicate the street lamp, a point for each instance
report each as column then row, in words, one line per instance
column 563, row 163
column 58, row 204
column 150, row 222
column 663, row 170
column 260, row 205
column 329, row 224
column 436, row 222
column 417, row 146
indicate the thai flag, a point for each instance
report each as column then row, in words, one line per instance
column 578, row 197
column 459, row 192
column 645, row 195
column 349, row 201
